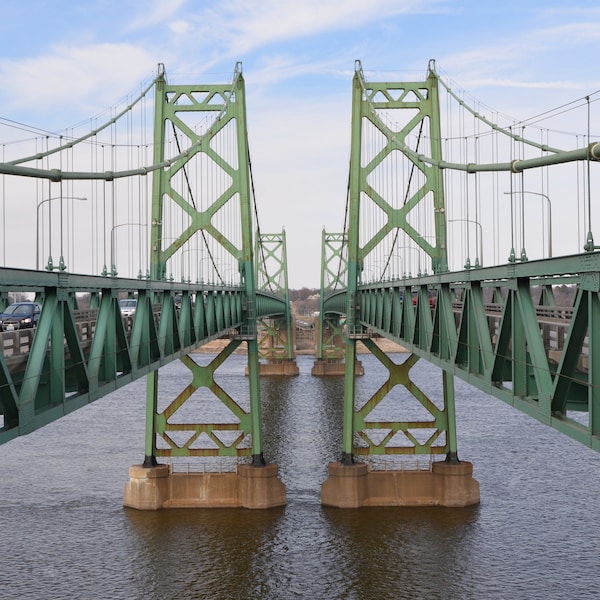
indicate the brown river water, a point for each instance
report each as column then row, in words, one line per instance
column 65, row 533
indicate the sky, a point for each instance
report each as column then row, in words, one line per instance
column 63, row 61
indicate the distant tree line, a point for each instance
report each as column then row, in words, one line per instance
column 303, row 293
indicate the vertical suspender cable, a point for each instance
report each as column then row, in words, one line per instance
column 467, row 202
column 579, row 204
column 512, row 200
column 60, row 155
column 523, row 252
column 4, row 209
column 49, row 211
column 496, row 198
column 590, row 238
column 104, row 223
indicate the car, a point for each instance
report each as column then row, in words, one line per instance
column 128, row 306
column 20, row 315
column 432, row 297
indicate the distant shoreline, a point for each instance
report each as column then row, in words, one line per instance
column 215, row 346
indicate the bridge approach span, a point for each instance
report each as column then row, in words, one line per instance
column 508, row 352
column 74, row 356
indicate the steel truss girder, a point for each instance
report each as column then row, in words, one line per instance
column 487, row 328
column 77, row 356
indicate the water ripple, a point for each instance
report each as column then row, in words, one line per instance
column 66, row 535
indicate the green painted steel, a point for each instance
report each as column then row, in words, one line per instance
column 420, row 101
column 498, row 328
column 359, row 437
column 76, row 356
column 275, row 341
column 174, row 106
column 495, row 328
column 330, row 334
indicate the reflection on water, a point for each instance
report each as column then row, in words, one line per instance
column 410, row 549
column 66, row 534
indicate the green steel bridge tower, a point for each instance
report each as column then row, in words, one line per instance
column 174, row 104
column 421, row 100
column 489, row 326
column 201, row 208
column 387, row 274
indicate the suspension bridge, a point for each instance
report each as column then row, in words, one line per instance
column 154, row 202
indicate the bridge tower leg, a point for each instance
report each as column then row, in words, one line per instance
column 352, row 483
column 276, row 333
column 172, row 428
column 330, row 349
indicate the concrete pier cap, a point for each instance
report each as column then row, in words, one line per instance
column 355, row 486
column 158, row 488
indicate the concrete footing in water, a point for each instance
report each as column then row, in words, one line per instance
column 157, row 488
column 354, row 486
column 286, row 368
column 327, row 368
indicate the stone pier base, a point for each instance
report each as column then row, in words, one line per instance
column 287, row 368
column 156, row 488
column 354, row 486
column 325, row 368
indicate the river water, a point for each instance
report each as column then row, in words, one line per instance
column 65, row 533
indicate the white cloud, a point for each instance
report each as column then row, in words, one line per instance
column 573, row 34
column 73, row 76
column 271, row 20
column 527, row 59
column 239, row 26
column 531, row 85
column 155, row 12
column 180, row 27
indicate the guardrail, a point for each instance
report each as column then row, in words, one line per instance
column 554, row 323
column 17, row 343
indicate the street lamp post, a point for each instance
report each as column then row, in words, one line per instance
column 549, row 214
column 188, row 251
column 374, row 270
column 50, row 266
column 478, row 259
column 113, row 270
column 418, row 263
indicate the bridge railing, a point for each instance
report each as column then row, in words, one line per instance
column 74, row 356
column 554, row 323
column 522, row 348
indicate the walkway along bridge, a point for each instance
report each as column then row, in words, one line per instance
column 186, row 203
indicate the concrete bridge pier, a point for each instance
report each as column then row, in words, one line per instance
column 275, row 368
column 332, row 367
column 158, row 488
column 276, row 350
column 283, row 367
column 355, row 486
